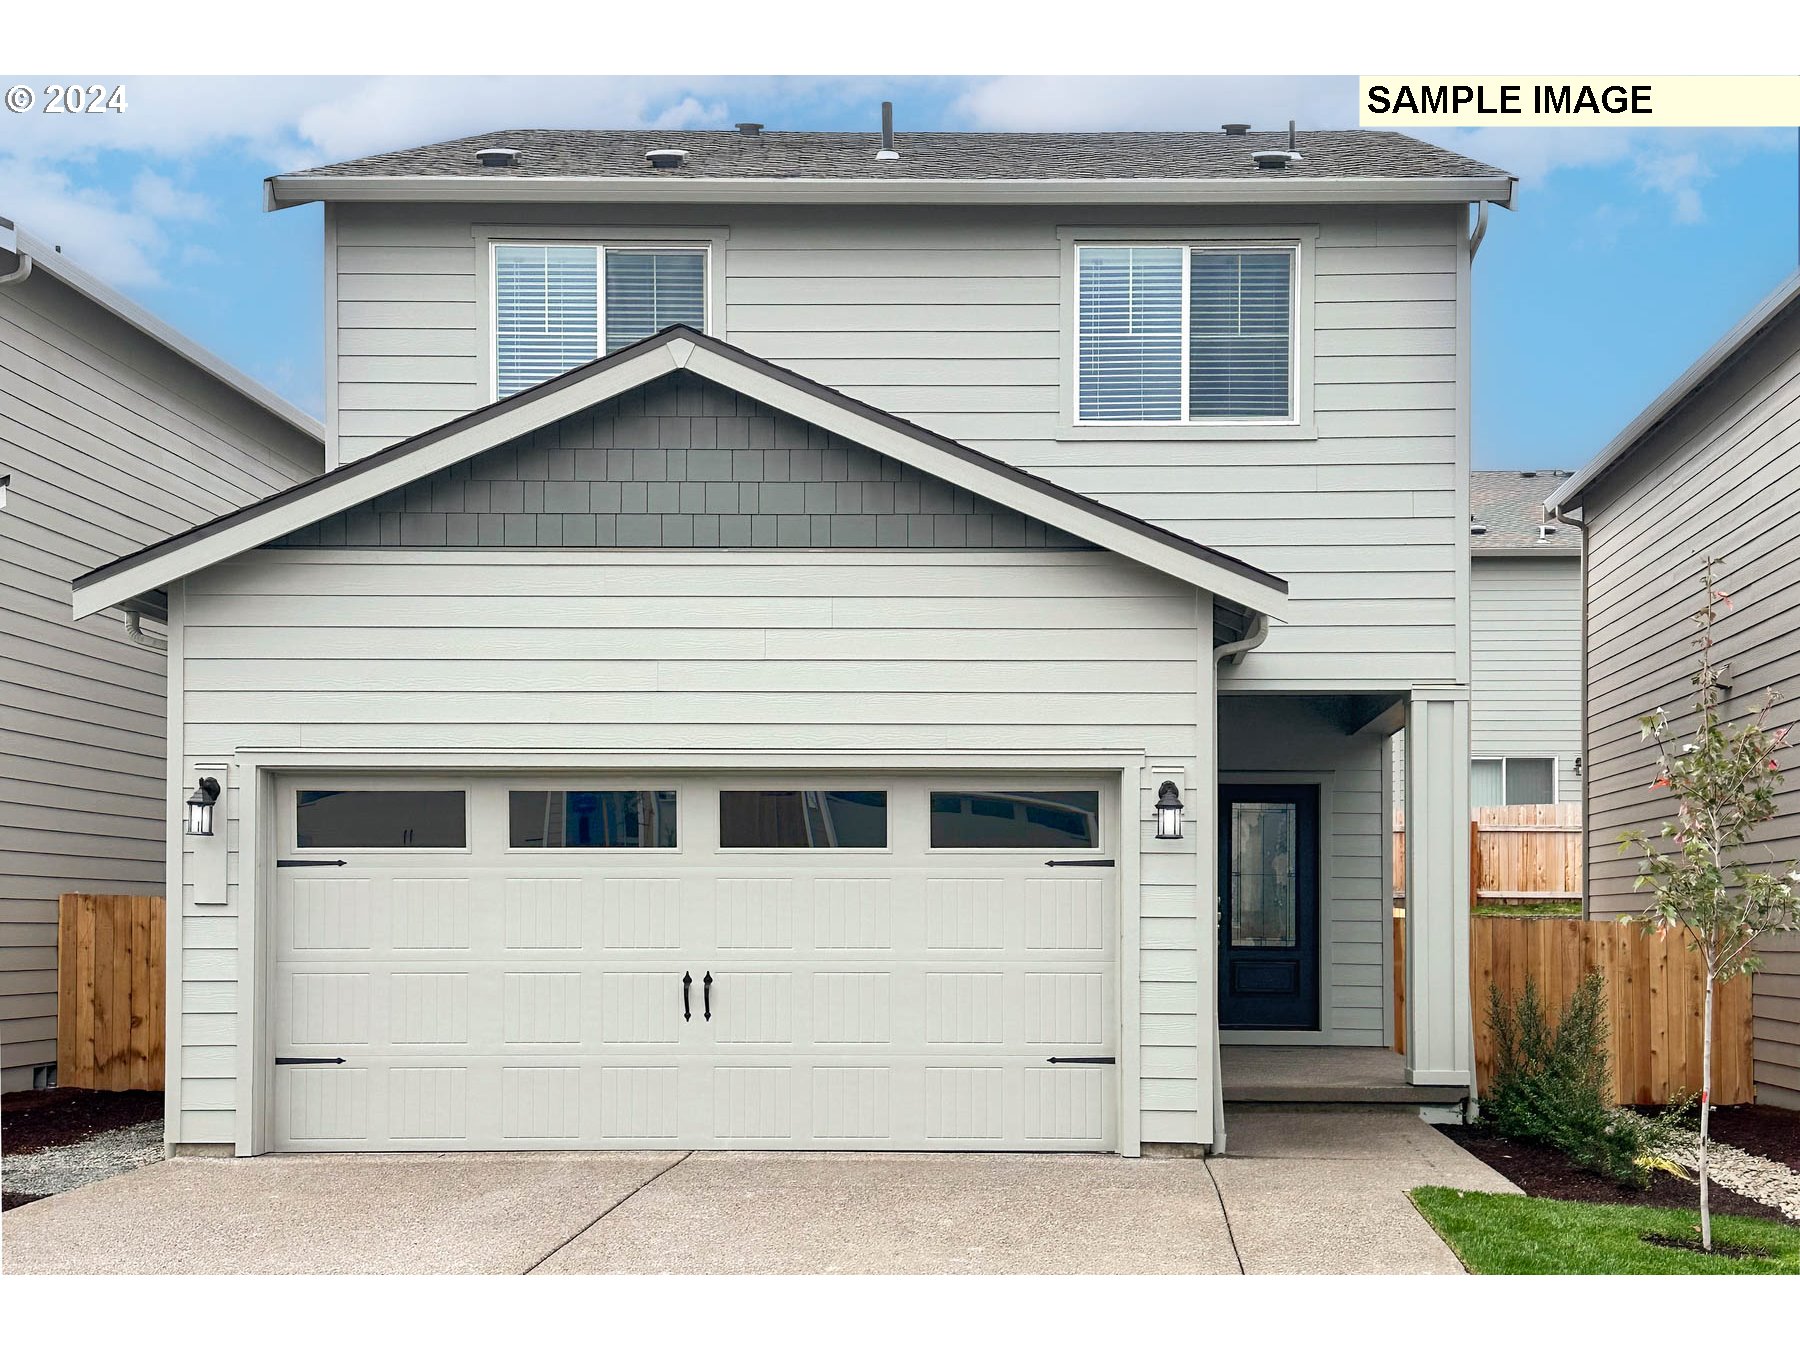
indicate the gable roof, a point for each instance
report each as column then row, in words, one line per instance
column 39, row 256
column 931, row 166
column 1510, row 504
column 1775, row 306
column 678, row 347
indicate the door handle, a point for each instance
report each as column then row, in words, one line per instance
column 687, row 985
column 706, row 995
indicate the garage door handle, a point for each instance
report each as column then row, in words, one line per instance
column 706, row 995
column 687, row 985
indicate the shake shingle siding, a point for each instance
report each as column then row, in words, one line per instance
column 1719, row 479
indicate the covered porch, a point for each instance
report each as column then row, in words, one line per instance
column 1310, row 950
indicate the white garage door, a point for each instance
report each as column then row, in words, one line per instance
column 832, row 962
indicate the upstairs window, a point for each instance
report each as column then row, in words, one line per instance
column 1184, row 334
column 558, row 305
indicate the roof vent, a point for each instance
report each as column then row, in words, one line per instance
column 750, row 128
column 666, row 159
column 1236, row 128
column 497, row 157
column 1545, row 531
column 1279, row 159
column 887, row 150
column 1528, row 473
column 1476, row 527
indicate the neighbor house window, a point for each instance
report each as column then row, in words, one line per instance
column 558, row 305
column 1184, row 334
column 1513, row 780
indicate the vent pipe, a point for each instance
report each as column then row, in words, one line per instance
column 887, row 150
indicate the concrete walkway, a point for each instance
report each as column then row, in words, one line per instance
column 1321, row 1191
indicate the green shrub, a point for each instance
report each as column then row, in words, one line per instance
column 1553, row 1084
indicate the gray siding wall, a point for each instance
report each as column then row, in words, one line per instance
column 1287, row 740
column 112, row 442
column 1525, row 639
column 680, row 463
column 675, row 650
column 1719, row 479
column 956, row 318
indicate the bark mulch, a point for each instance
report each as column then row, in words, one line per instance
column 33, row 1121
column 1542, row 1171
column 1767, row 1131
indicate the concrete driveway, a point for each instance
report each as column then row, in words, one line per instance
column 1302, row 1191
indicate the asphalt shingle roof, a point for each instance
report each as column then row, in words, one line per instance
column 946, row 155
column 1511, row 504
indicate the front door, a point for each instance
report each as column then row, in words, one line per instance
column 1269, row 907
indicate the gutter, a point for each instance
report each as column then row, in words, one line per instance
column 9, row 243
column 1233, row 653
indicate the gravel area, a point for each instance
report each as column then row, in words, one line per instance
column 1762, row 1179
column 51, row 1171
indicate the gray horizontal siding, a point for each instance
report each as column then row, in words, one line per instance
column 953, row 318
column 1719, row 479
column 112, row 443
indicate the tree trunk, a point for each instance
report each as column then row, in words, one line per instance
column 1705, row 1113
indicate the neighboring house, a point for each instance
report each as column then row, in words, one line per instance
column 115, row 431
column 754, row 736
column 1707, row 470
column 1525, row 631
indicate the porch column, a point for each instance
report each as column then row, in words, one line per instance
column 1440, row 1030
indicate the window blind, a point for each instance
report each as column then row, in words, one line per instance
column 1239, row 321
column 1130, row 334
column 546, row 312
column 646, row 292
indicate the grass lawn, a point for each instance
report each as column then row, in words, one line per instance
column 1517, row 1235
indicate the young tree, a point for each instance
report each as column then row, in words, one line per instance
column 1723, row 777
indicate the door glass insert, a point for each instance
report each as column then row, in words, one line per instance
column 368, row 818
column 1263, row 898
column 799, row 819
column 563, row 819
column 1022, row 819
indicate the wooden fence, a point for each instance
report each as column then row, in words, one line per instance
column 109, row 1007
column 1654, row 992
column 1517, row 854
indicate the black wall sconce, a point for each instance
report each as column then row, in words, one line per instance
column 200, row 807
column 1168, row 810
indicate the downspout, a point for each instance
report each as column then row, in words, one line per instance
column 1562, row 517
column 1233, row 653
column 134, row 629
column 20, row 272
column 1479, row 232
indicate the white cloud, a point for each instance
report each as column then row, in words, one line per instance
column 94, row 227
column 1163, row 103
column 155, row 195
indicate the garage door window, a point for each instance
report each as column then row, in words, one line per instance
column 1023, row 819
column 359, row 818
column 592, row 819
column 789, row 819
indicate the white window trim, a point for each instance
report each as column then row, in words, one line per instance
column 1300, row 240
column 710, row 242
column 1504, row 760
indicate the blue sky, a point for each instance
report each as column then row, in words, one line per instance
column 1630, row 251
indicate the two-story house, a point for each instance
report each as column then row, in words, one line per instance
column 810, row 644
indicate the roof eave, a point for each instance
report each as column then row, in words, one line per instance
column 1671, row 401
column 296, row 189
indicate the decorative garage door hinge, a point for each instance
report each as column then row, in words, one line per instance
column 302, row 1059
column 311, row 862
column 1080, row 862
column 1081, row 1059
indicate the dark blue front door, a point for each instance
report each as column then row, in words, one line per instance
column 1269, row 907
